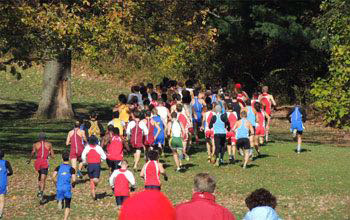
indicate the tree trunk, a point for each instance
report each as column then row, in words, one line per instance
column 55, row 100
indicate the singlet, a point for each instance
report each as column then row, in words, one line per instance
column 136, row 138
column 183, row 120
column 43, row 152
column 176, row 129
column 93, row 156
column 208, row 116
column 296, row 116
column 152, row 173
column 232, row 119
column 242, row 131
column 188, row 109
column 163, row 113
column 240, row 98
column 198, row 107
column 158, row 120
column 76, row 142
column 266, row 103
column 64, row 177
column 260, row 119
column 3, row 173
column 117, row 123
column 121, row 183
column 123, row 113
column 219, row 125
column 251, row 116
column 149, row 139
column 115, row 148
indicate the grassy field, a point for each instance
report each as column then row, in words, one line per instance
column 312, row 185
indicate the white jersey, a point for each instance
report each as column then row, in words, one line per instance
column 206, row 119
column 176, row 129
column 163, row 113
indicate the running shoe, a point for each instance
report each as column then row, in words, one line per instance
column 209, row 159
column 178, row 169
column 40, row 194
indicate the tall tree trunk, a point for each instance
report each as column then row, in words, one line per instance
column 55, row 100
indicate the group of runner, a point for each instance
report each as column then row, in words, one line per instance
column 149, row 119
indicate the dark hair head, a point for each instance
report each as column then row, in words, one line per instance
column 179, row 108
column 116, row 114
column 115, row 130
column 173, row 114
column 248, row 102
column 261, row 197
column 230, row 106
column 143, row 90
column 164, row 97
column 153, row 155
column 209, row 106
column 144, row 96
column 137, row 114
column 207, row 100
column 149, row 85
column 2, row 154
column 154, row 96
column 134, row 100
column 148, row 113
column 93, row 115
column 93, row 140
column 65, row 156
column 42, row 136
column 189, row 83
column 110, row 128
column 196, row 92
column 122, row 98
column 257, row 106
column 77, row 124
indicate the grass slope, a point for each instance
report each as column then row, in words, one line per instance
column 312, row 185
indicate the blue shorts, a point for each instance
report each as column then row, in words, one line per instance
column 160, row 139
column 94, row 170
column 3, row 189
column 297, row 126
column 63, row 194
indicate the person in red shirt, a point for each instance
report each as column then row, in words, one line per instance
column 120, row 181
column 231, row 135
column 75, row 139
column 267, row 102
column 43, row 150
column 92, row 155
column 151, row 171
column 203, row 205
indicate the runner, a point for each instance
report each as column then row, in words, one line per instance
column 151, row 172
column 242, row 129
column 231, row 136
column 241, row 95
column 135, row 131
column 75, row 139
column 159, row 134
column 120, row 181
column 219, row 122
column 43, row 150
column 65, row 174
column 197, row 110
column 5, row 171
column 123, row 109
column 296, row 117
column 117, row 123
column 95, row 127
column 115, row 149
column 261, row 125
column 209, row 133
column 92, row 155
column 164, row 114
column 251, row 117
column 175, row 142
column 183, row 119
column 149, row 139
column 267, row 101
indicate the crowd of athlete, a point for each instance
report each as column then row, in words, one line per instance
column 149, row 119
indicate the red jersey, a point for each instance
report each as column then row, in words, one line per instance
column 152, row 173
column 149, row 139
column 43, row 152
column 232, row 119
column 240, row 98
column 93, row 156
column 121, row 180
column 183, row 120
column 136, row 139
column 266, row 103
column 76, row 143
column 115, row 148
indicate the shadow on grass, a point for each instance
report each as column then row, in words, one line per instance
column 81, row 181
column 46, row 199
column 102, row 195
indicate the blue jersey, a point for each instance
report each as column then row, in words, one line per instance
column 242, row 131
column 251, row 116
column 3, row 177
column 296, row 119
column 219, row 125
column 161, row 137
column 64, row 177
column 198, row 109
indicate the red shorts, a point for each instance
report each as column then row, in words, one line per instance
column 260, row 131
column 231, row 136
column 209, row 134
column 74, row 155
column 41, row 164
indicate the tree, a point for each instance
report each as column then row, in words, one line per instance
column 332, row 92
column 54, row 32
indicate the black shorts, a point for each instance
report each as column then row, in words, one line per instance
column 94, row 170
column 153, row 187
column 243, row 143
column 43, row 171
column 120, row 200
column 113, row 164
column 300, row 132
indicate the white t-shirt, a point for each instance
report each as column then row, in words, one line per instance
column 176, row 129
column 163, row 113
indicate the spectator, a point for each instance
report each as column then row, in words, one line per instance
column 261, row 204
column 203, row 206
column 147, row 205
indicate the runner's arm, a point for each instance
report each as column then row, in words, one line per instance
column 32, row 154
column 74, row 176
column 162, row 171
column 144, row 128
column 142, row 173
column 9, row 168
column 272, row 100
column 251, row 129
column 158, row 129
column 112, row 178
column 54, row 175
column 85, row 151
column 130, row 177
column 101, row 152
column 268, row 120
column 68, row 138
column 51, row 151
column 128, row 129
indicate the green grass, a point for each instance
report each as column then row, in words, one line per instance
column 312, row 185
